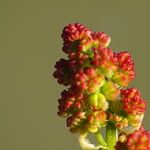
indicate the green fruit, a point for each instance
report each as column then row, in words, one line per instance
column 98, row 101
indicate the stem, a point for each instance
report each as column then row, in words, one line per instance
column 86, row 145
column 111, row 138
column 100, row 139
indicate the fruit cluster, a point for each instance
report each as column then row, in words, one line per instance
column 96, row 78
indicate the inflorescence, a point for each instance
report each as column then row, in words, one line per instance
column 96, row 96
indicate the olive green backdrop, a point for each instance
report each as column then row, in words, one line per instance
column 30, row 44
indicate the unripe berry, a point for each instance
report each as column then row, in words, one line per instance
column 110, row 91
column 97, row 101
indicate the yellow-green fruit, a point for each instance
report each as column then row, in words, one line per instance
column 135, row 120
column 110, row 91
column 93, row 128
column 98, row 101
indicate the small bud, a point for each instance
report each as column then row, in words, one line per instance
column 122, row 138
column 101, row 39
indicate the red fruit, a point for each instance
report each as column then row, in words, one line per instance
column 139, row 140
column 70, row 102
column 74, row 32
column 88, row 79
column 104, row 60
column 126, row 72
column 64, row 70
column 132, row 101
column 76, row 37
column 101, row 39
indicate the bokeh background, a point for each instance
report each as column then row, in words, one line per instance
column 30, row 44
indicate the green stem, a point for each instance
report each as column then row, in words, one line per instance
column 111, row 136
column 100, row 139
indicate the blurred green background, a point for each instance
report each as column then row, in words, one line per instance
column 30, row 44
